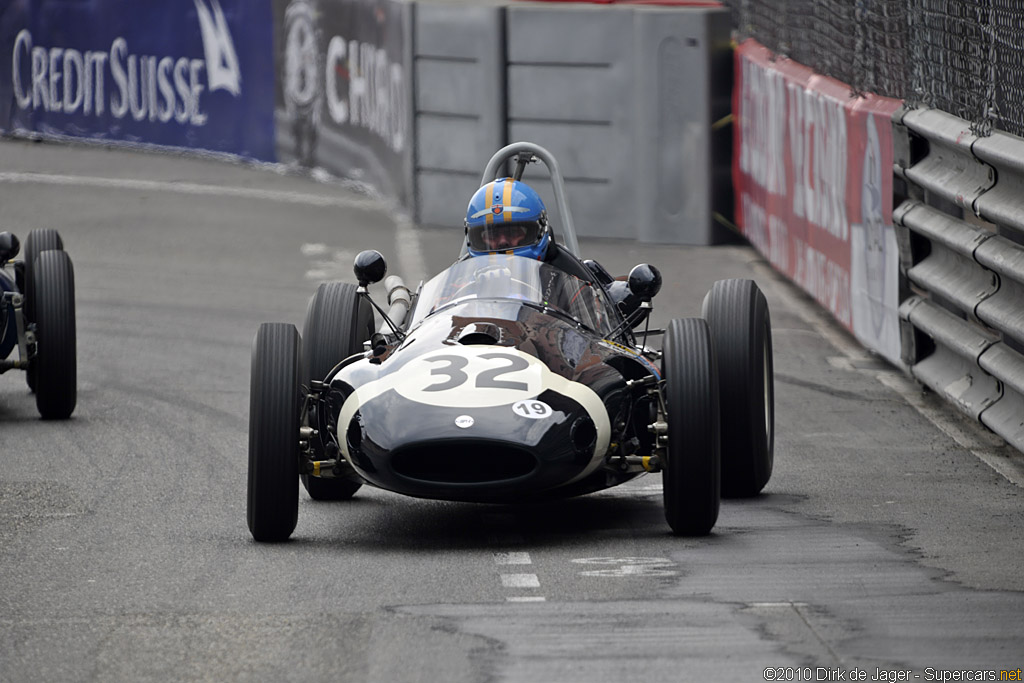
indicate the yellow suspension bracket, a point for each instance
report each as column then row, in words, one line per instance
column 322, row 468
column 652, row 463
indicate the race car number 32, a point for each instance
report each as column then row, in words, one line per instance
column 465, row 377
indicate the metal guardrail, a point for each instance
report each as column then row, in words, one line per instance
column 962, row 319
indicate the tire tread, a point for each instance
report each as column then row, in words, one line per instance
column 273, row 493
column 692, row 479
column 55, row 363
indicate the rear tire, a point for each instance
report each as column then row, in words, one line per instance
column 737, row 314
column 36, row 243
column 55, row 364
column 275, row 404
column 338, row 321
column 691, row 475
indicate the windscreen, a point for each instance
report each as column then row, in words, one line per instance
column 501, row 277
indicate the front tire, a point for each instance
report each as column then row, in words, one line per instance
column 36, row 243
column 55, row 366
column 737, row 314
column 275, row 404
column 691, row 476
column 338, row 321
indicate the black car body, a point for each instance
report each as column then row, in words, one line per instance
column 505, row 388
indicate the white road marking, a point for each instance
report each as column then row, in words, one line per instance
column 504, row 535
column 284, row 196
column 315, row 249
column 778, row 604
column 407, row 238
column 520, row 581
column 339, row 267
column 512, row 558
column 628, row 566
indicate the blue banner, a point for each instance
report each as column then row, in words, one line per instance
column 181, row 73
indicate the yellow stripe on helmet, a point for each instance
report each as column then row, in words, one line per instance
column 489, row 218
column 506, row 199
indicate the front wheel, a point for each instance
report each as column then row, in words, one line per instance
column 275, row 404
column 36, row 243
column 737, row 314
column 55, row 366
column 691, row 474
column 338, row 321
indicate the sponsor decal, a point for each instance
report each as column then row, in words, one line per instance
column 342, row 100
column 813, row 189
column 124, row 82
column 366, row 89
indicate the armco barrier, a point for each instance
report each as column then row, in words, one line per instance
column 963, row 323
column 185, row 74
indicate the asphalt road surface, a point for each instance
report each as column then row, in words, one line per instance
column 890, row 538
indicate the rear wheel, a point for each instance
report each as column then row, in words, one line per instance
column 691, row 473
column 338, row 321
column 737, row 314
column 275, row 403
column 55, row 364
column 36, row 243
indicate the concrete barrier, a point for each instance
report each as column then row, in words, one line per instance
column 459, row 105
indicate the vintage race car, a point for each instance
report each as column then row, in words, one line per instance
column 37, row 317
column 507, row 379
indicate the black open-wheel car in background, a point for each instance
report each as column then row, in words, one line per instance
column 37, row 318
column 509, row 379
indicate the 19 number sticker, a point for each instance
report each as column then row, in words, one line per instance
column 535, row 410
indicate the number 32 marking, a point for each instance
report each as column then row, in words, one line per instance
column 487, row 379
column 471, row 377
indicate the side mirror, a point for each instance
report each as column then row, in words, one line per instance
column 644, row 281
column 9, row 247
column 369, row 267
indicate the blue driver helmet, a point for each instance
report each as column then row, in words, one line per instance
column 507, row 216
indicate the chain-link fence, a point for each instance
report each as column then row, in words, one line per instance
column 965, row 57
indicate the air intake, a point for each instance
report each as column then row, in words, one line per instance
column 463, row 463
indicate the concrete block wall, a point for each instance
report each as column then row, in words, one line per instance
column 459, row 54
column 625, row 97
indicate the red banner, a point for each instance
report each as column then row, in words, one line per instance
column 813, row 179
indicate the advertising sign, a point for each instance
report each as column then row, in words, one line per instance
column 813, row 179
column 342, row 101
column 195, row 73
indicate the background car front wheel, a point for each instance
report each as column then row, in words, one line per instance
column 36, row 243
column 275, row 403
column 691, row 475
column 55, row 364
column 737, row 314
column 338, row 321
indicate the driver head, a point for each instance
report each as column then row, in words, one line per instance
column 507, row 216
